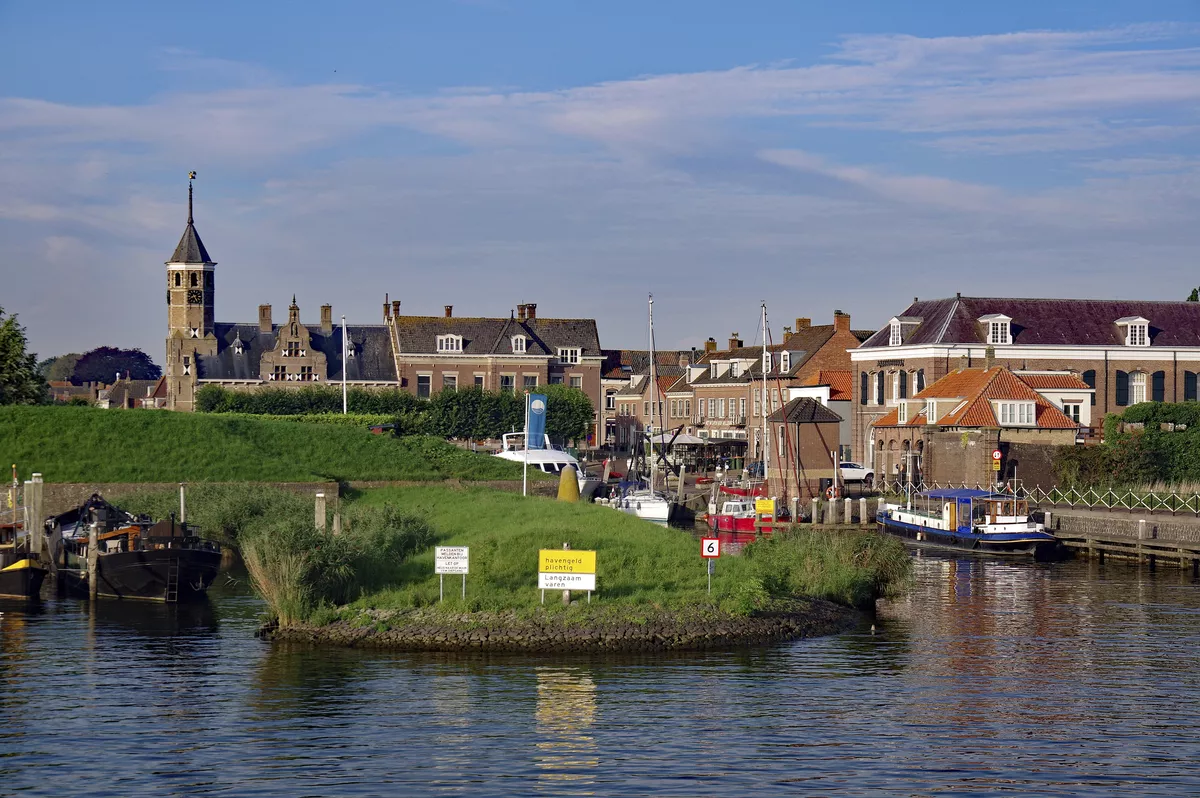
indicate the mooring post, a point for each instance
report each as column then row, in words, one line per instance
column 566, row 593
column 34, row 530
column 816, row 511
column 682, row 475
column 849, row 516
column 93, row 557
column 833, row 515
column 795, row 509
column 319, row 512
column 862, row 512
column 1048, row 520
column 182, row 503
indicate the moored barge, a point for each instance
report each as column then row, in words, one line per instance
column 969, row 519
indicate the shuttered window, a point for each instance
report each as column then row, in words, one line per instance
column 864, row 389
column 879, row 380
column 1189, row 386
column 920, row 380
column 903, row 385
column 1158, row 386
column 1089, row 378
column 1122, row 389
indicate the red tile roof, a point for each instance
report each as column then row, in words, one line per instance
column 841, row 383
column 980, row 387
column 1051, row 381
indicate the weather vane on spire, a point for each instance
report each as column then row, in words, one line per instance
column 191, row 177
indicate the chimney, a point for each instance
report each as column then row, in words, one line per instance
column 395, row 308
column 989, row 357
column 841, row 321
column 734, row 341
column 531, row 311
column 264, row 318
column 521, row 312
column 449, row 310
column 327, row 319
column 802, row 323
column 387, row 312
column 684, row 359
column 710, row 345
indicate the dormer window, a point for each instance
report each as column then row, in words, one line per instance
column 568, row 355
column 449, row 343
column 1137, row 330
column 766, row 362
column 895, row 339
column 1015, row 414
column 997, row 328
column 518, row 344
column 712, row 370
column 733, row 369
column 785, row 361
column 902, row 412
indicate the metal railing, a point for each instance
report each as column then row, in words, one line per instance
column 1130, row 499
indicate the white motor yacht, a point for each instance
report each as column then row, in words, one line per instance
column 549, row 459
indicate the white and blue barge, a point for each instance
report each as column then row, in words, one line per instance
column 969, row 520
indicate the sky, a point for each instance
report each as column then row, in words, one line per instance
column 818, row 156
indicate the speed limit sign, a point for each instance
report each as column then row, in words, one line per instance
column 710, row 547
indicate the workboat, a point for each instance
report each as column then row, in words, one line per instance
column 734, row 521
column 969, row 519
column 136, row 557
column 549, row 459
column 21, row 574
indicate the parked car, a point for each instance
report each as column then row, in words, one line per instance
column 853, row 472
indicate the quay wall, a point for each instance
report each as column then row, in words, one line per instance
column 1095, row 524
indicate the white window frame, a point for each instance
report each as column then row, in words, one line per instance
column 518, row 344
column 1137, row 335
column 610, row 400
column 453, row 375
column 742, row 408
column 1016, row 413
column 766, row 361
column 721, row 407
column 785, row 361
column 1137, row 387
column 902, row 413
column 449, row 343
column 895, row 338
column 569, row 355
column 733, row 369
column 998, row 332
column 573, row 378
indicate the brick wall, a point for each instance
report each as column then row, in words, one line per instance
column 1125, row 524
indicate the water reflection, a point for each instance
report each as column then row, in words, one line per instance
column 566, row 749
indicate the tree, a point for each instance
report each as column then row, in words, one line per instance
column 20, row 384
column 103, row 364
column 569, row 413
column 1194, row 296
column 59, row 369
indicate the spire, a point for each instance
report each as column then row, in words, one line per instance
column 191, row 248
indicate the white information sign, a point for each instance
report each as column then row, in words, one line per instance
column 566, row 581
column 710, row 547
column 452, row 560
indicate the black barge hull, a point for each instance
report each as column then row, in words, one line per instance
column 22, row 582
column 168, row 574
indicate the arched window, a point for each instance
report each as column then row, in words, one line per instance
column 1137, row 387
column 178, row 282
column 1089, row 379
column 195, row 282
column 920, row 380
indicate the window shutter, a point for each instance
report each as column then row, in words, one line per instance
column 1158, row 386
column 879, row 378
column 1189, row 386
column 920, row 380
column 1122, row 389
column 1089, row 378
column 865, row 387
column 903, row 384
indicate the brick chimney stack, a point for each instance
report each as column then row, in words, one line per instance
column 734, row 341
column 387, row 311
column 531, row 310
column 521, row 312
column 802, row 323
column 710, row 345
column 327, row 319
column 396, row 308
column 264, row 318
column 449, row 310
column 841, row 321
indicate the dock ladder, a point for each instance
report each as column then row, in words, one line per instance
column 172, row 594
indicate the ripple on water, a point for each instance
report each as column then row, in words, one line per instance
column 989, row 677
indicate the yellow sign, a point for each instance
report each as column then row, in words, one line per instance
column 995, row 465
column 764, row 506
column 566, row 561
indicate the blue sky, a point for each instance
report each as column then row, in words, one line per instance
column 481, row 154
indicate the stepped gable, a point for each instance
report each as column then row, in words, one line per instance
column 372, row 361
column 804, row 410
column 484, row 336
column 1047, row 322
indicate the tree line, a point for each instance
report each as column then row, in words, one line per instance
column 467, row 414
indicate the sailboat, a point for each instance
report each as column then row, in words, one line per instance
column 649, row 503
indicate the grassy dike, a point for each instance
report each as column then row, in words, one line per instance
column 82, row 444
column 374, row 584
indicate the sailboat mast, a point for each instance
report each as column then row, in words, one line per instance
column 653, row 396
column 766, row 440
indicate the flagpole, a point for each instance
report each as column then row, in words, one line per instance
column 343, row 365
column 525, row 467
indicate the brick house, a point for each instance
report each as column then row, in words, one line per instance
column 1128, row 351
column 804, row 433
column 946, row 433
column 624, row 375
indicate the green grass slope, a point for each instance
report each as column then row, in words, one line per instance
column 80, row 444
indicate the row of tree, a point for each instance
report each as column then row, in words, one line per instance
column 468, row 414
column 102, row 364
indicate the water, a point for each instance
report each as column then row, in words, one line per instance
column 1065, row 679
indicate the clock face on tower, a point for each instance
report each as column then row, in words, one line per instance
column 195, row 297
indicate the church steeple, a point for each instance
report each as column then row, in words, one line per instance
column 191, row 248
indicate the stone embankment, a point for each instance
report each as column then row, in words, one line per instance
column 628, row 631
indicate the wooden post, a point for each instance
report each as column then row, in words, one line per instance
column 566, row 593
column 319, row 512
column 34, row 530
column 182, row 503
column 682, row 474
column 93, row 558
column 757, row 524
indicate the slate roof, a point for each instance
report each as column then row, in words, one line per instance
column 804, row 410
column 191, row 248
column 667, row 375
column 482, row 336
column 1062, row 322
column 124, row 391
column 802, row 344
column 979, row 387
column 620, row 363
column 372, row 360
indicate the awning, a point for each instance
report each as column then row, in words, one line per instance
column 682, row 439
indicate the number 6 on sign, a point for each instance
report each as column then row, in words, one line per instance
column 710, row 547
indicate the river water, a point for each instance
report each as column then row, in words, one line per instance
column 990, row 677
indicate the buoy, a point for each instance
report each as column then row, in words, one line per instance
column 568, row 485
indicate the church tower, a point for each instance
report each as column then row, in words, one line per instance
column 190, row 293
